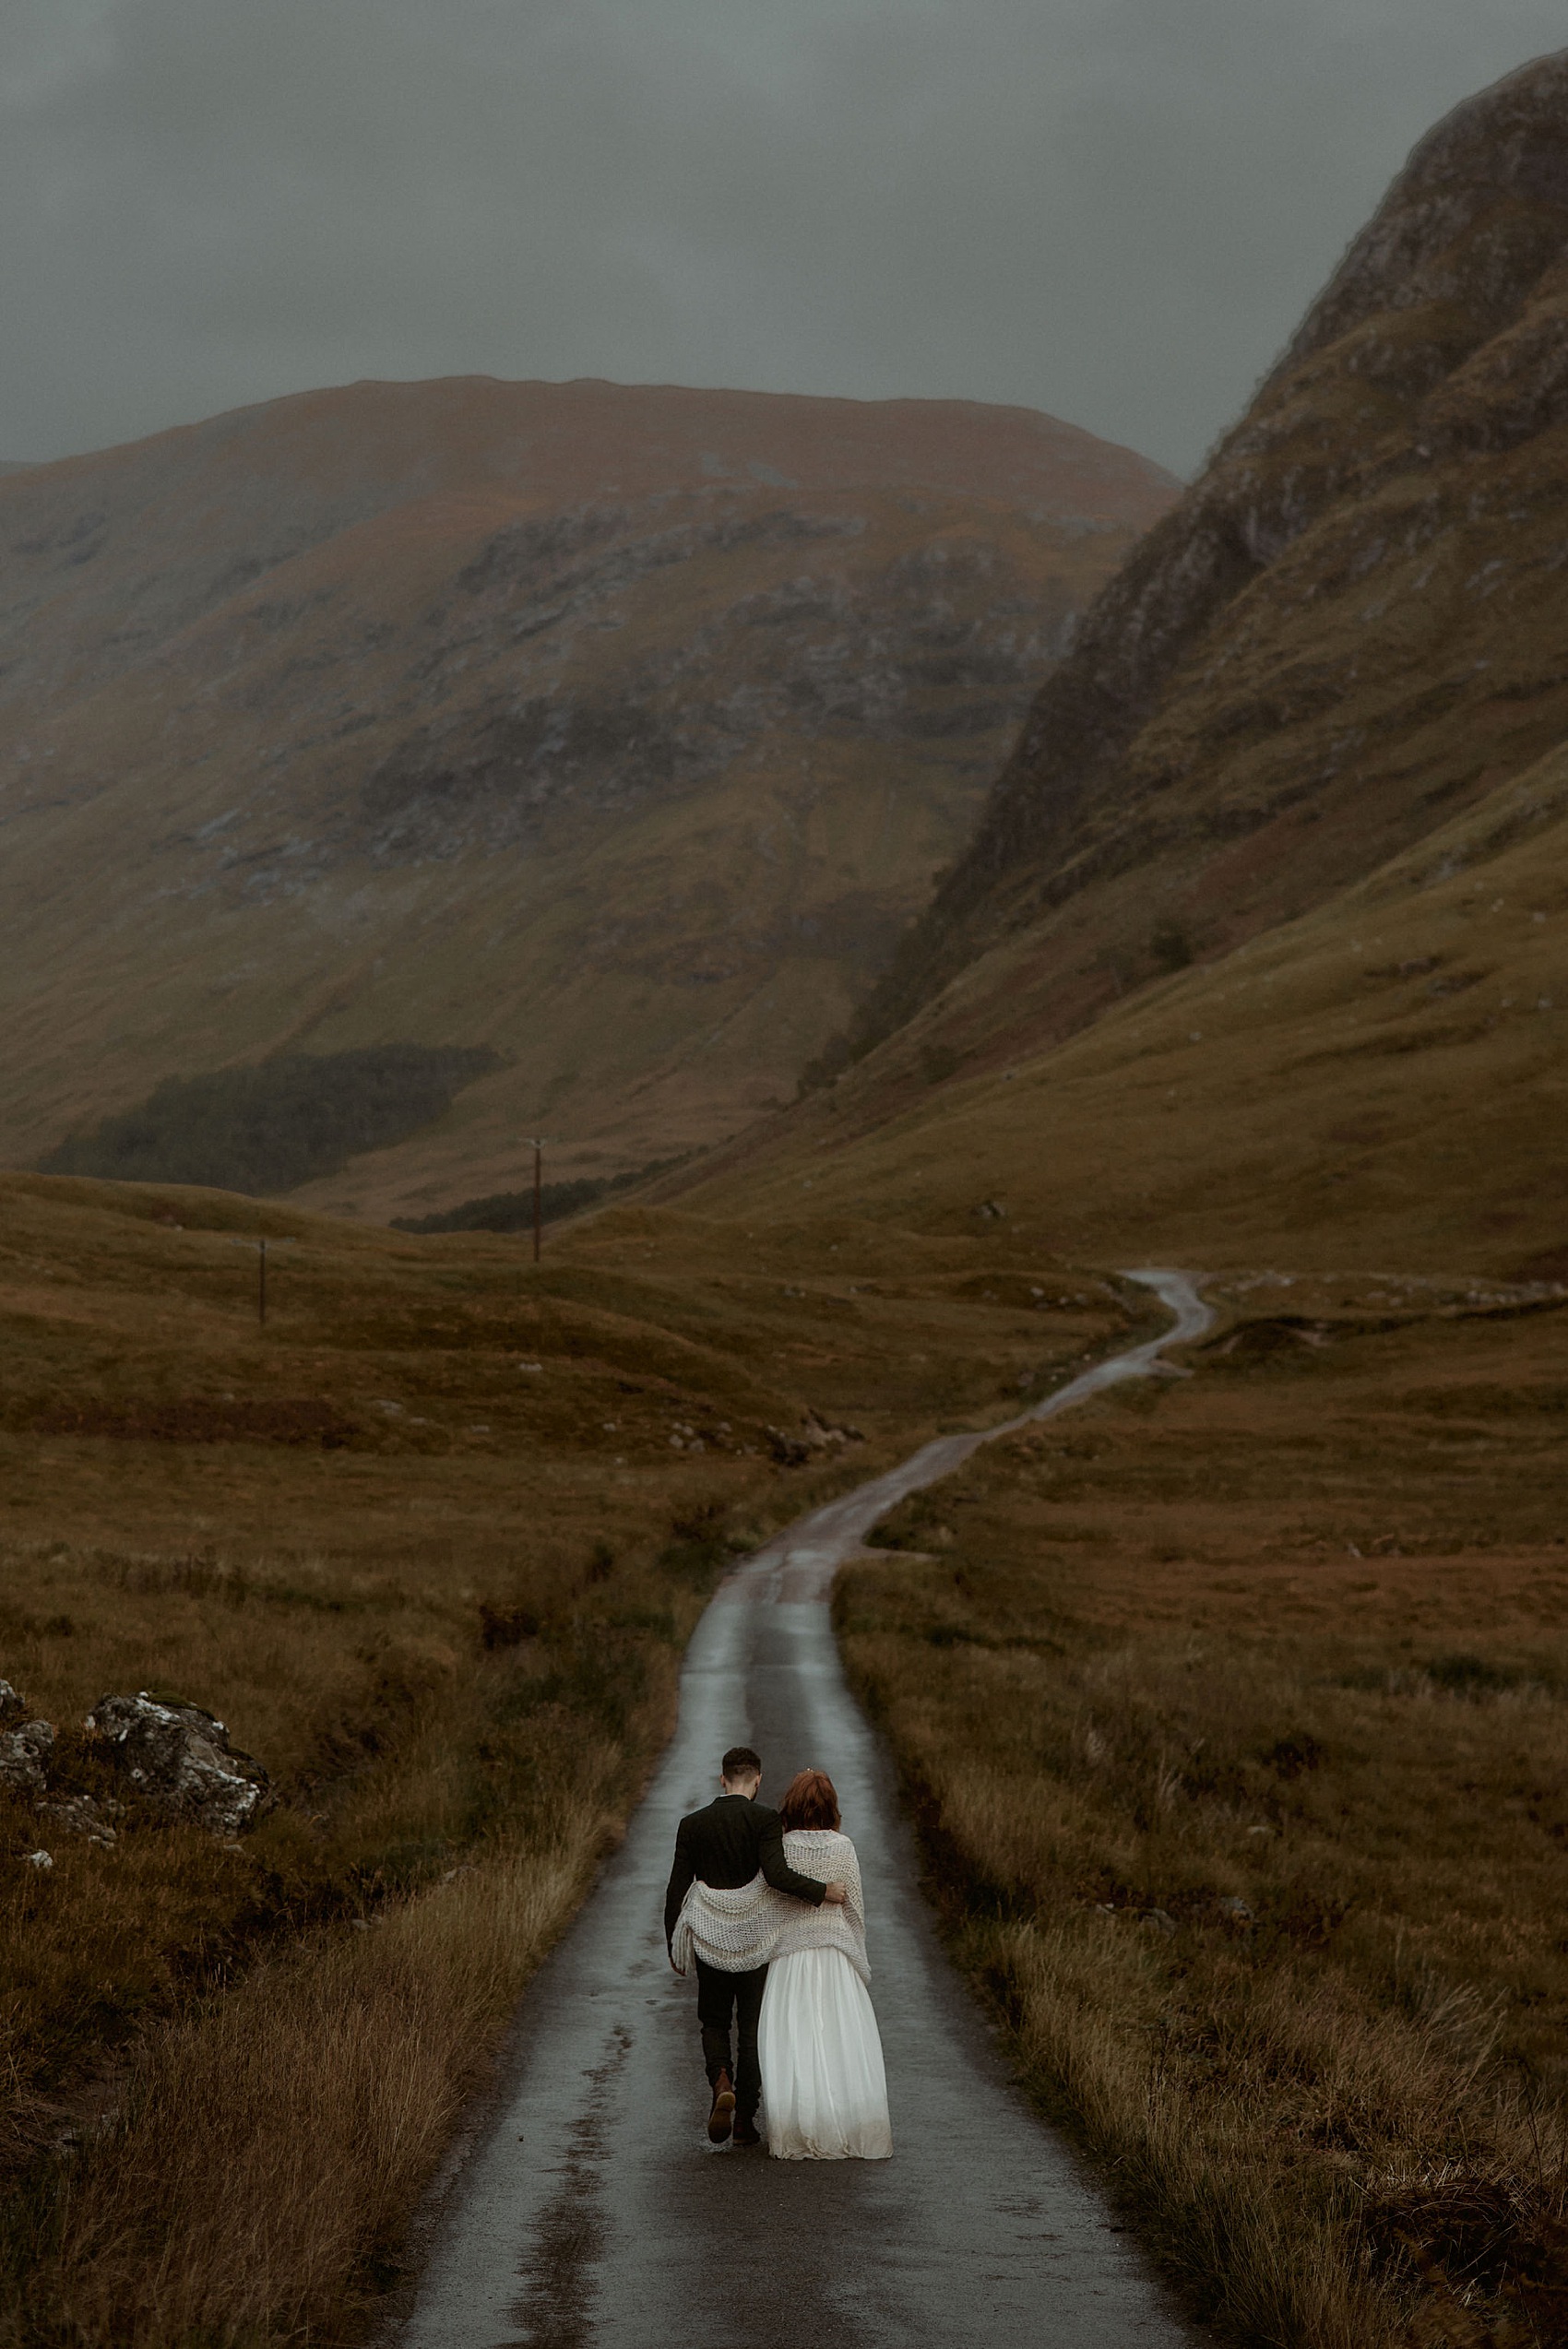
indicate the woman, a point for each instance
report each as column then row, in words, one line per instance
column 823, row 2088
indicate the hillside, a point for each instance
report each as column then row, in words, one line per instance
column 1379, row 1084
column 615, row 731
column 431, row 1542
column 1311, row 1592
column 1231, row 1705
column 1350, row 627
column 1234, row 1707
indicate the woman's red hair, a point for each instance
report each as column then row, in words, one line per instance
column 810, row 1801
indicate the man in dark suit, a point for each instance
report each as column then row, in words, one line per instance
column 727, row 1846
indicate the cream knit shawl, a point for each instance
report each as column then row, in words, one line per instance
column 737, row 1930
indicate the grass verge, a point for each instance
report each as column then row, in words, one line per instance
column 1235, row 1712
column 258, row 2182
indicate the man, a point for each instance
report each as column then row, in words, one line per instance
column 725, row 1847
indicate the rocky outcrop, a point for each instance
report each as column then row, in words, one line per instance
column 175, row 1760
column 1328, row 587
column 25, row 1746
column 172, row 1761
column 80, row 1815
column 795, row 1448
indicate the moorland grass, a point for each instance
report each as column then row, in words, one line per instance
column 1235, row 1712
column 235, row 2065
column 430, row 1545
column 269, row 2147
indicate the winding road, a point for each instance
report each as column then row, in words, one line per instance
column 590, row 2212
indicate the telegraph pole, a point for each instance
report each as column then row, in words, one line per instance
column 260, row 1246
column 537, row 1142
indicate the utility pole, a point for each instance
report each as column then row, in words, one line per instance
column 537, row 1142
column 261, row 1247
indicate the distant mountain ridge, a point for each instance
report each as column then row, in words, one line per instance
column 616, row 730
column 227, row 501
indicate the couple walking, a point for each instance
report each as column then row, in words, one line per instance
column 768, row 1905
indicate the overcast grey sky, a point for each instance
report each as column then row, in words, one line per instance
column 1112, row 209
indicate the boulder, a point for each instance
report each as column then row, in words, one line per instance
column 817, row 1436
column 177, row 1760
column 79, row 1815
column 25, row 1750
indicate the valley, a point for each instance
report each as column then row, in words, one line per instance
column 1228, row 1707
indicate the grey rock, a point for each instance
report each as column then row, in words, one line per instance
column 79, row 1815
column 1158, row 1920
column 1233, row 1908
column 25, row 1755
column 816, row 1436
column 11, row 1705
column 176, row 1759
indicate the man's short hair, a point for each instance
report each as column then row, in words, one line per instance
column 742, row 1762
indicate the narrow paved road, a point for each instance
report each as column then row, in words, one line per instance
column 592, row 2212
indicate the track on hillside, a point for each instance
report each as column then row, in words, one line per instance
column 590, row 2212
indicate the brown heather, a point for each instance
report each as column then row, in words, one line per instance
column 442, row 1594
column 1342, row 2124
column 258, row 2184
column 1313, row 881
column 1323, row 1099
column 1292, row 1634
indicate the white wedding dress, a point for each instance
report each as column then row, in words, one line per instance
column 823, row 2086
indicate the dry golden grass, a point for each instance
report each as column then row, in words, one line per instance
column 1291, row 1634
column 322, row 1594
column 281, row 2032
column 289, row 2131
column 1347, row 1530
column 299, row 1528
column 1380, row 1083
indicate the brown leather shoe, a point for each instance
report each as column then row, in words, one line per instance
column 722, row 2120
column 747, row 2132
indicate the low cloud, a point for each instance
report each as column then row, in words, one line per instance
column 1113, row 209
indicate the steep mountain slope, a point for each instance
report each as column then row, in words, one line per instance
column 1351, row 624
column 617, row 730
column 1383, row 1083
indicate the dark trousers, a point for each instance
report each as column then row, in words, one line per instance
column 718, row 1997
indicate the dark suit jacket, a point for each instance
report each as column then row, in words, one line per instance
column 725, row 1846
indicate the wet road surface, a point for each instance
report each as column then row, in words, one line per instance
column 592, row 2212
